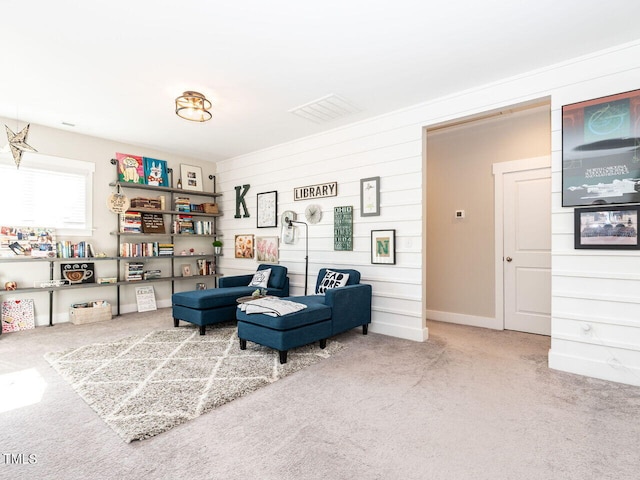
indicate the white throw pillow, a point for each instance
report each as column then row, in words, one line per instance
column 260, row 278
column 332, row 280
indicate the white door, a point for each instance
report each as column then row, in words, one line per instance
column 527, row 251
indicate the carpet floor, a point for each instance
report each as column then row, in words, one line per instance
column 468, row 404
column 144, row 385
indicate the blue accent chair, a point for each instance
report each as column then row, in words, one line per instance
column 207, row 307
column 338, row 310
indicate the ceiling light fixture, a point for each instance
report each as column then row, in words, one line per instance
column 193, row 106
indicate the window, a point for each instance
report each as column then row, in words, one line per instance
column 47, row 191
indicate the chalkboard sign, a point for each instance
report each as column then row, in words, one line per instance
column 152, row 223
column 343, row 228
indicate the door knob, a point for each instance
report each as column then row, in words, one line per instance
column 509, row 259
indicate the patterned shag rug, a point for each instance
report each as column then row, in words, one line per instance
column 142, row 386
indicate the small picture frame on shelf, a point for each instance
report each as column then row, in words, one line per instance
column 191, row 177
column 186, row 270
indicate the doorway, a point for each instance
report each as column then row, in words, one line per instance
column 460, row 237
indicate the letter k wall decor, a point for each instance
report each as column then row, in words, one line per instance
column 241, row 191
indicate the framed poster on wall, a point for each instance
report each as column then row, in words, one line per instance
column 609, row 227
column 601, row 151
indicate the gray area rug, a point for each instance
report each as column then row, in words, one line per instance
column 142, row 386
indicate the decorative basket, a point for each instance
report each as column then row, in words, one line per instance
column 210, row 207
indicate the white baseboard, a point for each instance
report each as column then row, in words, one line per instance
column 604, row 370
column 463, row 319
column 408, row 333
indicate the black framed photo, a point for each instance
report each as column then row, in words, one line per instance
column 383, row 247
column 608, row 227
column 267, row 209
column 601, row 151
column 370, row 197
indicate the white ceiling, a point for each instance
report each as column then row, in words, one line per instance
column 113, row 68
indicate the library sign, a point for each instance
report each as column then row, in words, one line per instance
column 316, row 191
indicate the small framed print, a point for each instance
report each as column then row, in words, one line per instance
column 186, row 270
column 191, row 177
column 370, row 197
column 610, row 227
column 267, row 209
column 267, row 249
column 383, row 247
column 244, row 246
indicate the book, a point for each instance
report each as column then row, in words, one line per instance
column 155, row 172
column 130, row 168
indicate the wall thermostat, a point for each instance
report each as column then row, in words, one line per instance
column 459, row 213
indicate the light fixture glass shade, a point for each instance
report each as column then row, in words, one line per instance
column 193, row 106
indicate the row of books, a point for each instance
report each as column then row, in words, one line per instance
column 205, row 267
column 186, row 224
column 146, row 249
column 68, row 249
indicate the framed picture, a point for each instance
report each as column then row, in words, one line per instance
column 244, row 246
column 267, row 209
column 383, row 247
column 601, row 151
column 186, row 270
column 343, row 228
column 130, row 168
column 370, row 197
column 78, row 272
column 191, row 178
column 155, row 172
column 610, row 227
column 17, row 315
column 267, row 249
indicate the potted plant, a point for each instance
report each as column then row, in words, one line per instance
column 217, row 247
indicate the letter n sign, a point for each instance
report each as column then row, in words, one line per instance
column 240, row 201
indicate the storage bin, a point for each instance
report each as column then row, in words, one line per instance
column 82, row 315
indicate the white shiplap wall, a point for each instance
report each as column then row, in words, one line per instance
column 346, row 156
column 595, row 295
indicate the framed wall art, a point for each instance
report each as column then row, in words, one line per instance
column 370, row 197
column 244, row 246
column 267, row 249
column 267, row 210
column 343, row 228
column 610, row 227
column 601, row 151
column 191, row 177
column 383, row 247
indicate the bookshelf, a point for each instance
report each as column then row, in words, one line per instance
column 154, row 234
column 139, row 247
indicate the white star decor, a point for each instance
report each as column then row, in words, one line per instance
column 18, row 143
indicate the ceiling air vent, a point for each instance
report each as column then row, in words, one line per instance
column 326, row 109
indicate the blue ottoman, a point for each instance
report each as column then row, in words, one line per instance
column 288, row 331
